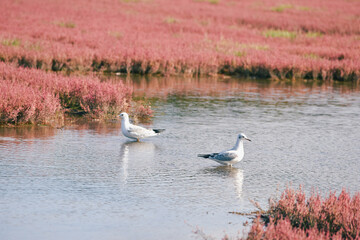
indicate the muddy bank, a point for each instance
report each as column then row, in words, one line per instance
column 165, row 68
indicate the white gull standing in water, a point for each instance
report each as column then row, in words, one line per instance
column 136, row 132
column 231, row 156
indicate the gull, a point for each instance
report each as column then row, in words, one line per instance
column 136, row 132
column 231, row 156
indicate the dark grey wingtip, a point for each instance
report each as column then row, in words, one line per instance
column 158, row 130
column 204, row 155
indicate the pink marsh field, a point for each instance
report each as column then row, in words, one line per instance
column 34, row 96
column 312, row 39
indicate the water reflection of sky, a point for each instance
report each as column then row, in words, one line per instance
column 233, row 173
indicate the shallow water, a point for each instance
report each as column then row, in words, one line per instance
column 90, row 182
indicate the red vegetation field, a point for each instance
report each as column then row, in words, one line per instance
column 34, row 96
column 296, row 217
column 313, row 39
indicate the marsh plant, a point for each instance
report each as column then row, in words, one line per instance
column 294, row 216
column 34, row 96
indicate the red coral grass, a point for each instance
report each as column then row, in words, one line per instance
column 296, row 217
column 19, row 104
column 282, row 39
column 283, row 229
column 30, row 95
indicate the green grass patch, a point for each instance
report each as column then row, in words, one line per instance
column 280, row 34
column 209, row 1
column 314, row 34
column 282, row 7
column 255, row 46
column 68, row 24
column 311, row 56
column 14, row 42
column 240, row 53
column 303, row 8
column 171, row 20
column 233, row 48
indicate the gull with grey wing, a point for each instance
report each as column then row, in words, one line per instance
column 231, row 156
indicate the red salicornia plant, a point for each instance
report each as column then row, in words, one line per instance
column 296, row 217
column 34, row 96
column 21, row 104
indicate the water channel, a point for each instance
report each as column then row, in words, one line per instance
column 87, row 181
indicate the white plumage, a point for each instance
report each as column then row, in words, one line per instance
column 136, row 132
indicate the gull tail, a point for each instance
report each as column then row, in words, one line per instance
column 204, row 155
column 158, row 130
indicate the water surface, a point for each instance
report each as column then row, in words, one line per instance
column 89, row 182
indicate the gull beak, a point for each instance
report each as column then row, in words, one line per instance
column 248, row 139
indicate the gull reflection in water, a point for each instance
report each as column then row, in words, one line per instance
column 235, row 173
column 139, row 154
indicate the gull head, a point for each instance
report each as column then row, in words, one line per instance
column 243, row 136
column 124, row 115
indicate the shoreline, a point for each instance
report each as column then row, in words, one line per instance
column 166, row 68
column 47, row 97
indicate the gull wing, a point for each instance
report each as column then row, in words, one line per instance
column 224, row 156
column 207, row 155
column 139, row 131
